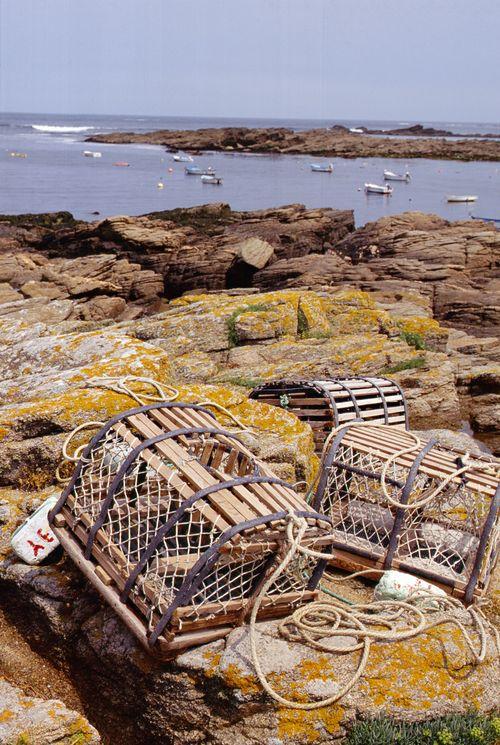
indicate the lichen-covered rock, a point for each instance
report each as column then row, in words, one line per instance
column 212, row 693
column 453, row 264
column 25, row 720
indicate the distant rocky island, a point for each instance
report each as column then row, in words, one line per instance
column 337, row 141
column 415, row 130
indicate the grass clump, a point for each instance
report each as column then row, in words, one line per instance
column 456, row 729
column 412, row 364
column 232, row 334
column 413, row 339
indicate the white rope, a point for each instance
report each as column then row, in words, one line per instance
column 324, row 619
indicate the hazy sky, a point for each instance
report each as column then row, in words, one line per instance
column 381, row 59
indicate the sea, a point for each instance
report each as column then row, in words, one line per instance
column 55, row 175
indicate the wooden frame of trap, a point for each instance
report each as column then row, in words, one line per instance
column 325, row 404
column 177, row 526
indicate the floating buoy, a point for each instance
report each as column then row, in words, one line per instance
column 170, row 170
column 160, row 184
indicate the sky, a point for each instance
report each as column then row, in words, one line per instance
column 433, row 60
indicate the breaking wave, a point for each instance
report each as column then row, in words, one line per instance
column 57, row 128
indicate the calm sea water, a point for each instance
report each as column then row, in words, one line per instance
column 56, row 176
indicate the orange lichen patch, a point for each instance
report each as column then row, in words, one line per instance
column 213, row 659
column 421, row 325
column 299, row 725
column 68, row 409
column 313, row 309
column 361, row 320
column 5, row 715
column 259, row 417
column 353, row 298
column 319, row 668
column 412, row 675
column 26, row 703
column 234, row 678
column 80, row 731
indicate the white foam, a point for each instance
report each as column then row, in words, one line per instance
column 57, row 128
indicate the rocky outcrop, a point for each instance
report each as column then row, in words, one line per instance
column 211, row 694
column 24, row 719
column 455, row 265
column 99, row 287
column 118, row 268
column 58, row 354
column 208, row 247
column 328, row 142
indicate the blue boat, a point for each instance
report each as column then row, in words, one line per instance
column 197, row 171
column 487, row 219
column 322, row 168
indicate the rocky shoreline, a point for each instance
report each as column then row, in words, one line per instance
column 212, row 302
column 336, row 142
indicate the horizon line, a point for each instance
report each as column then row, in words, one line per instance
column 248, row 118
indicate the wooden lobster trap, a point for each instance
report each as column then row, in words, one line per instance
column 419, row 512
column 177, row 525
column 324, row 404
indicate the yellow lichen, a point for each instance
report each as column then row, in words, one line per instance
column 412, row 675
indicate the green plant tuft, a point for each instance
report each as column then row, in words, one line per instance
column 413, row 339
column 302, row 326
column 231, row 321
column 412, row 364
column 455, row 729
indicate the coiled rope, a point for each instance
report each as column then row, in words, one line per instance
column 315, row 622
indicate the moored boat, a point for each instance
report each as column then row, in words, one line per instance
column 18, row 155
column 92, row 154
column 391, row 176
column 197, row 171
column 121, row 163
column 461, row 198
column 182, row 158
column 377, row 189
column 322, row 167
column 487, row 219
column 206, row 179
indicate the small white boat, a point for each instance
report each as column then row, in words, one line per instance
column 464, row 198
column 160, row 184
column 206, row 179
column 391, row 176
column 197, row 171
column 92, row 154
column 376, row 189
column 356, row 130
column 182, row 158
column 322, row 168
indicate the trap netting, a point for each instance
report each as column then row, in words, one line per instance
column 431, row 512
column 324, row 404
column 178, row 525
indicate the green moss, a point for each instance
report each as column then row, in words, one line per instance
column 456, row 729
column 413, row 339
column 242, row 381
column 43, row 219
column 318, row 335
column 232, row 334
column 412, row 364
column 302, row 325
